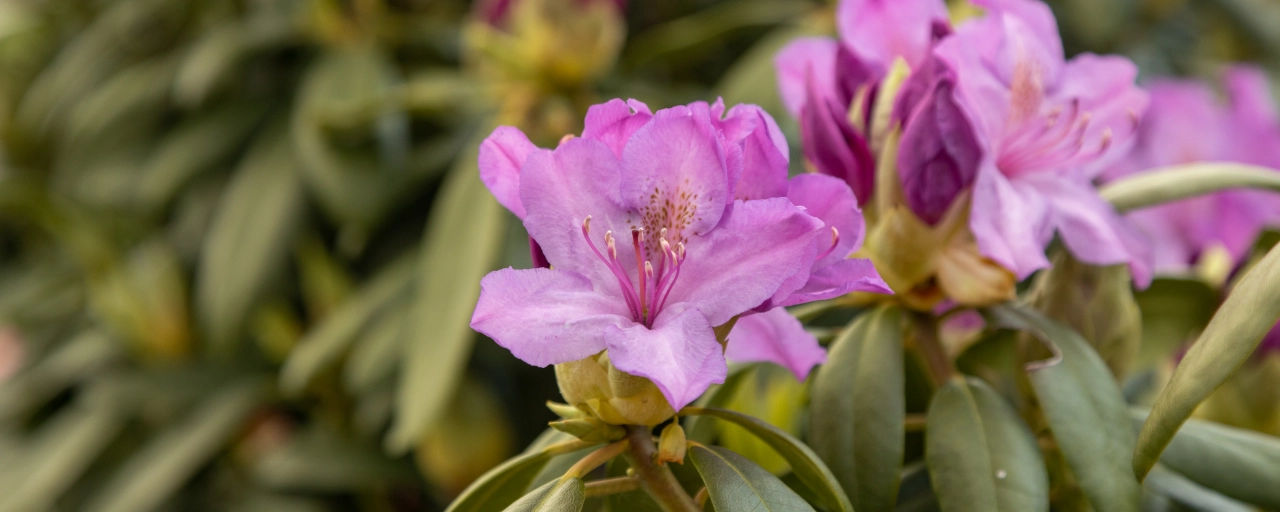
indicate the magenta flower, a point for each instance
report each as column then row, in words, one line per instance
column 658, row 227
column 1185, row 124
column 1047, row 128
column 821, row 79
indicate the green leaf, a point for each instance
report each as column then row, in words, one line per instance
column 555, row 496
column 702, row 430
column 735, row 483
column 374, row 359
column 1239, row 463
column 1095, row 301
column 201, row 142
column 325, row 343
column 501, row 486
column 210, row 59
column 1183, row 181
column 804, row 463
column 462, row 242
column 1249, row 312
column 857, row 409
column 62, row 451
column 1190, row 494
column 76, row 359
column 981, row 456
column 773, row 394
column 249, row 240
column 169, row 460
column 320, row 460
column 1084, row 407
column 1173, row 311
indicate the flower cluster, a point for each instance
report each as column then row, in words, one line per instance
column 983, row 126
column 659, row 227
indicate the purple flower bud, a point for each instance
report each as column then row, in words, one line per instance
column 939, row 154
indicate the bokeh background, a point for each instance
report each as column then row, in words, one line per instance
column 240, row 240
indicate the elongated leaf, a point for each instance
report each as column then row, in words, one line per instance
column 168, row 461
column 770, row 393
column 462, row 242
column 307, row 463
column 735, row 483
column 216, row 52
column 249, row 240
column 857, row 409
column 554, row 496
column 701, row 429
column 60, row 455
column 327, row 341
column 199, row 143
column 1183, row 181
column 1085, row 410
column 374, row 358
column 77, row 359
column 981, row 456
column 1249, row 312
column 1190, row 494
column 502, row 485
column 1242, row 464
column 804, row 463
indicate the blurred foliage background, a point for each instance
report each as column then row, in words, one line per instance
column 240, row 240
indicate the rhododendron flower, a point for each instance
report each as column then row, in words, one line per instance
column 1186, row 124
column 1047, row 128
column 658, row 227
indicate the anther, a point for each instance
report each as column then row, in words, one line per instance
column 835, row 241
column 608, row 242
column 567, row 137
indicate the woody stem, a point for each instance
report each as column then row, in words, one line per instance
column 656, row 479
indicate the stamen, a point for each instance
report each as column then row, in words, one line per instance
column 624, row 282
column 636, row 240
column 835, row 240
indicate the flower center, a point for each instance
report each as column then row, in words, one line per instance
column 1056, row 138
column 647, row 298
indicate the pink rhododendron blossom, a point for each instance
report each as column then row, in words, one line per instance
column 659, row 226
column 1186, row 123
column 992, row 109
column 1047, row 128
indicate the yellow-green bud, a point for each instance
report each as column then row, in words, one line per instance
column 672, row 444
column 615, row 397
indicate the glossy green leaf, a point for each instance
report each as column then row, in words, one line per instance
column 501, row 486
column 1095, row 301
column 555, row 496
column 804, row 463
column 1084, row 407
column 1249, row 312
column 462, row 242
column 981, row 456
column 1189, row 494
column 328, row 341
column 773, row 394
column 1183, row 181
column 857, row 409
column 249, row 240
column 1239, row 463
column 735, row 483
column 169, row 460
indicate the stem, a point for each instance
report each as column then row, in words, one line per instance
column 914, row 422
column 657, row 480
column 935, row 358
column 612, row 486
column 596, row 459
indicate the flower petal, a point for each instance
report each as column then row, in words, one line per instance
column 1010, row 222
column 501, row 156
column 676, row 173
column 834, row 147
column 679, row 354
column 1104, row 86
column 775, row 337
column 560, row 189
column 735, row 267
column 765, row 154
column 878, row 31
column 842, row 277
column 545, row 316
column 802, row 60
column 831, row 201
column 1092, row 229
column 613, row 122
